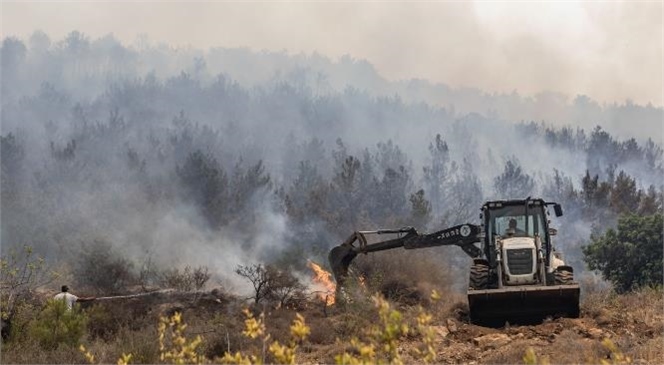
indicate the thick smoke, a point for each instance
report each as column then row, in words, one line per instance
column 228, row 157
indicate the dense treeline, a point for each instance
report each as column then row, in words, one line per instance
column 83, row 67
column 191, row 168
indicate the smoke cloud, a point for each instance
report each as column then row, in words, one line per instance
column 609, row 51
column 226, row 156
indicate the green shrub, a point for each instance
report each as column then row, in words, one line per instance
column 56, row 324
column 21, row 273
column 631, row 256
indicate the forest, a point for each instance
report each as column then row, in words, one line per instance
column 123, row 164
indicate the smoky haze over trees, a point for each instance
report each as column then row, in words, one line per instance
column 228, row 157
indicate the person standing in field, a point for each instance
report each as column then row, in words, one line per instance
column 69, row 298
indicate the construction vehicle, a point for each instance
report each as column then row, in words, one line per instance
column 515, row 276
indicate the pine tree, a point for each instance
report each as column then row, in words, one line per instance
column 513, row 183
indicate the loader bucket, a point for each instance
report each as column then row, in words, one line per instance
column 523, row 304
column 340, row 258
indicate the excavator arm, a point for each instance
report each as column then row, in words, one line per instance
column 340, row 257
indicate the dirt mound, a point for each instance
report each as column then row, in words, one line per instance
column 636, row 331
column 633, row 323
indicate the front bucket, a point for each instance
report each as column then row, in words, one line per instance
column 523, row 304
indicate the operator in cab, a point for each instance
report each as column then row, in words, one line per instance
column 513, row 230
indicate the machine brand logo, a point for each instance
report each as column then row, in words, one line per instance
column 449, row 234
column 465, row 230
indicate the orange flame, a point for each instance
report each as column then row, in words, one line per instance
column 324, row 279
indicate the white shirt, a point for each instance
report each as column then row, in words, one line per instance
column 70, row 299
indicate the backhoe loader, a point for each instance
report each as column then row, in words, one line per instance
column 515, row 276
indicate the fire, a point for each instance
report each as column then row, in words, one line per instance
column 324, row 279
column 362, row 281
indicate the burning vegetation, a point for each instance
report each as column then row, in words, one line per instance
column 323, row 281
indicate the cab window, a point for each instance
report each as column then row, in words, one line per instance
column 500, row 218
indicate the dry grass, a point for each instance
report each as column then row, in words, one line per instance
column 651, row 352
column 596, row 305
column 571, row 347
column 408, row 277
column 320, row 331
column 512, row 354
column 141, row 344
column 645, row 306
column 634, row 322
column 30, row 352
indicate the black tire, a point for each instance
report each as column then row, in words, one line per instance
column 479, row 276
column 563, row 277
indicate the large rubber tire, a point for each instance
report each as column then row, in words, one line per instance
column 563, row 277
column 479, row 277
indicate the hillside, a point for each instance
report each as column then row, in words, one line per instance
column 633, row 322
column 164, row 180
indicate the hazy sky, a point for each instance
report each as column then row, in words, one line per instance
column 610, row 51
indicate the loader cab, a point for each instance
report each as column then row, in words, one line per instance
column 515, row 218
